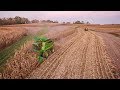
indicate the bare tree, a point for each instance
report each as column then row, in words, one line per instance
column 35, row 21
column 16, row 20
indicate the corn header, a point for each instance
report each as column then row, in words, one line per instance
column 44, row 47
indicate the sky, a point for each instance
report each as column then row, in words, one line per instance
column 95, row 17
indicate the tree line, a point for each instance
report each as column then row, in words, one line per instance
column 77, row 22
column 81, row 22
column 16, row 20
column 22, row 20
column 49, row 21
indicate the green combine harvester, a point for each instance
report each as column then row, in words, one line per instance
column 44, row 47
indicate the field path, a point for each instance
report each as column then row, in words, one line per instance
column 85, row 56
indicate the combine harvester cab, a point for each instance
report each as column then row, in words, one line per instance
column 44, row 47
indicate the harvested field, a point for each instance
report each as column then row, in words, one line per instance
column 83, row 57
column 113, row 48
column 106, row 30
column 78, row 54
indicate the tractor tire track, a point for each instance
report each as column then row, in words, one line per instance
column 106, row 61
column 53, row 58
column 113, row 51
column 67, row 67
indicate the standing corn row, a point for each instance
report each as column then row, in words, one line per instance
column 23, row 62
column 9, row 35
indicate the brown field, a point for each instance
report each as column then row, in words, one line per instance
column 24, row 60
column 79, row 54
column 9, row 35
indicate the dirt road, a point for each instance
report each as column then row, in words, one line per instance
column 88, row 55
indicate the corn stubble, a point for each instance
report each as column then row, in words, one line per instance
column 83, row 57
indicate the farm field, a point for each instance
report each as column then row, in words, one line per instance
column 9, row 35
column 79, row 54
